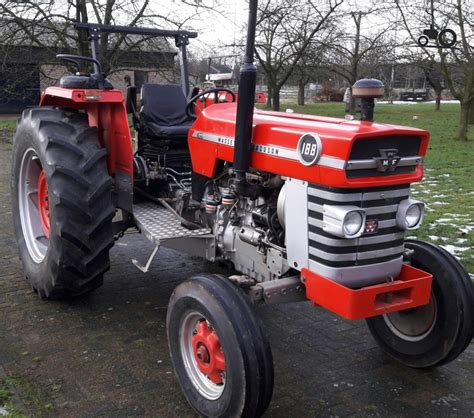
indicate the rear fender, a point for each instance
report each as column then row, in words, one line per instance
column 106, row 111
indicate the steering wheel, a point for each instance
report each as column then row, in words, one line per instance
column 191, row 106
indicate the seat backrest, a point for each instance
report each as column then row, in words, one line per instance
column 164, row 104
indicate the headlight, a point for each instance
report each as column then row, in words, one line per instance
column 343, row 221
column 410, row 214
column 353, row 223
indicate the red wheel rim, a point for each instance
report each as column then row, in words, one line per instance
column 208, row 352
column 43, row 203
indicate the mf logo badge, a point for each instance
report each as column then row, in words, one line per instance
column 371, row 226
column 388, row 160
column 309, row 149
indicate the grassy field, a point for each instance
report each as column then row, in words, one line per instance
column 448, row 188
column 7, row 127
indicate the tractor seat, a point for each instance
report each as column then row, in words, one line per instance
column 82, row 82
column 163, row 111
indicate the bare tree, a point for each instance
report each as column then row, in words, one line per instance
column 359, row 49
column 456, row 64
column 308, row 68
column 285, row 31
column 49, row 25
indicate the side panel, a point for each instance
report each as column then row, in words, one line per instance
column 296, row 223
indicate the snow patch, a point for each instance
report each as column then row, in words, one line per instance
column 454, row 249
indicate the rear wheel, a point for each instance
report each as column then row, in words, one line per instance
column 438, row 332
column 219, row 351
column 62, row 202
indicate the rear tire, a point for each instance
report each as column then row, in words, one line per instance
column 234, row 381
column 435, row 334
column 61, row 202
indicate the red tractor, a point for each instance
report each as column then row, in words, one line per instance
column 299, row 207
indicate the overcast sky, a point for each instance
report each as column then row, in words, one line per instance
column 218, row 25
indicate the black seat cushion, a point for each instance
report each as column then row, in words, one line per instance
column 169, row 131
column 163, row 111
column 82, row 82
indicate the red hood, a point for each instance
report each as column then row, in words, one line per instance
column 284, row 130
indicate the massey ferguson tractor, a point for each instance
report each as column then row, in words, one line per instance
column 298, row 207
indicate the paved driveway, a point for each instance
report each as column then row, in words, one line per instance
column 106, row 355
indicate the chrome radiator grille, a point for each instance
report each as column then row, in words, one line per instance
column 365, row 151
column 383, row 245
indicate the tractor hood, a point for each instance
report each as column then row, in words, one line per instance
column 348, row 153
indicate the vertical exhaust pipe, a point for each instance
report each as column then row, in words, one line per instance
column 245, row 105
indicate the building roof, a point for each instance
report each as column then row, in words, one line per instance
column 27, row 41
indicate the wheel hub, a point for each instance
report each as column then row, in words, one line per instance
column 413, row 324
column 208, row 352
column 43, row 203
column 33, row 202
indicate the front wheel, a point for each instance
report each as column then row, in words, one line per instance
column 219, row 351
column 423, row 40
column 440, row 331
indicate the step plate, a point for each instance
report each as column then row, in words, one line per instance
column 159, row 224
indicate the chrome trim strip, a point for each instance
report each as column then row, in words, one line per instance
column 333, row 241
column 273, row 150
column 367, row 240
column 364, row 255
column 367, row 164
column 352, row 197
column 332, row 162
column 387, row 223
column 382, row 224
column 218, row 139
column 378, row 239
column 359, row 276
column 333, row 257
column 378, row 210
column 337, row 197
column 386, row 194
column 315, row 222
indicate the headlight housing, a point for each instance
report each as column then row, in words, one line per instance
column 410, row 214
column 343, row 221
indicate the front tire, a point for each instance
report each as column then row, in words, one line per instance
column 437, row 333
column 61, row 202
column 218, row 348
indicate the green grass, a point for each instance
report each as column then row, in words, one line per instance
column 5, row 401
column 448, row 187
column 7, row 128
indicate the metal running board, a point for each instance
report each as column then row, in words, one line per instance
column 159, row 224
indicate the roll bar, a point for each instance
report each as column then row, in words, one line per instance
column 181, row 38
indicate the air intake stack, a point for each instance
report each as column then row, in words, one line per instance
column 367, row 89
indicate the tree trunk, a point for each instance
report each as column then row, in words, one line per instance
column 352, row 105
column 276, row 98
column 470, row 119
column 269, row 94
column 301, row 87
column 463, row 121
column 438, row 102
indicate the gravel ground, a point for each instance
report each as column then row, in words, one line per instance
column 106, row 355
